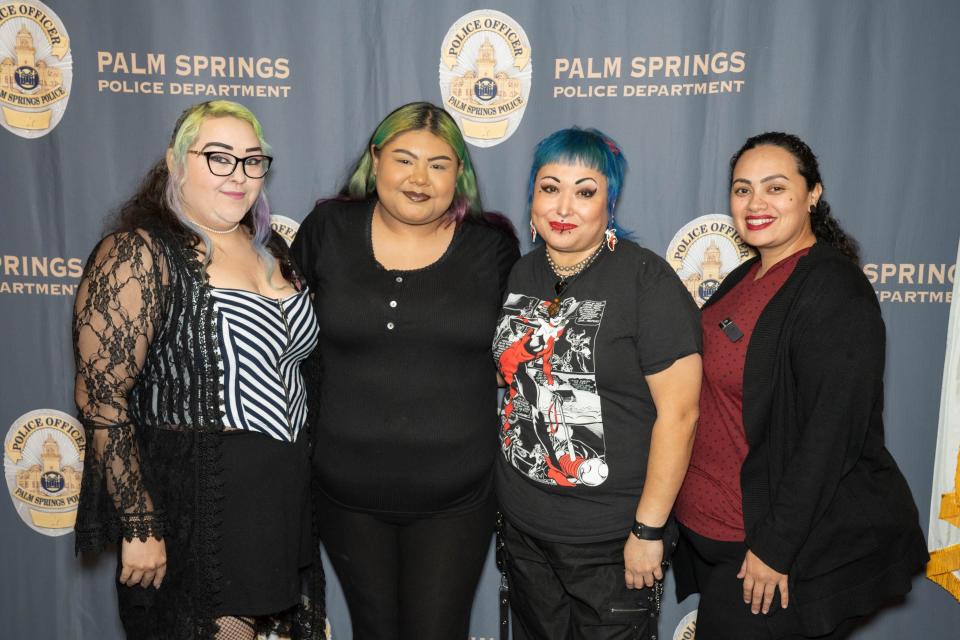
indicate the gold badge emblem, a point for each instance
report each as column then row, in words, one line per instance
column 43, row 464
column 485, row 74
column 35, row 80
column 704, row 251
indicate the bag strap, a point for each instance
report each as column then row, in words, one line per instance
column 504, row 585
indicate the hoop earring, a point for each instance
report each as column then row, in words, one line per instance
column 533, row 233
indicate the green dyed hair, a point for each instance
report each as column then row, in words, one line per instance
column 419, row 116
column 185, row 133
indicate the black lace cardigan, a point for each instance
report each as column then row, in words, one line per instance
column 148, row 391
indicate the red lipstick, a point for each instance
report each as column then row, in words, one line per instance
column 562, row 226
column 756, row 223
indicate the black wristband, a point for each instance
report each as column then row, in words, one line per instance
column 646, row 532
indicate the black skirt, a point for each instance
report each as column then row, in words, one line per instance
column 266, row 523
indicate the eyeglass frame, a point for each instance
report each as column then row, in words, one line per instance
column 236, row 161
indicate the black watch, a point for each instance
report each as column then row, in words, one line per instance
column 646, row 532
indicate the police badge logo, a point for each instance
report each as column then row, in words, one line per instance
column 286, row 227
column 704, row 251
column 35, row 80
column 43, row 465
column 485, row 75
column 687, row 628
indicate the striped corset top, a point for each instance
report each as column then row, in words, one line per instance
column 262, row 342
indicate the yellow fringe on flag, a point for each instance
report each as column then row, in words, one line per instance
column 950, row 502
column 940, row 568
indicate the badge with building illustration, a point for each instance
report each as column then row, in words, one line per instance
column 704, row 251
column 43, row 464
column 36, row 68
column 485, row 74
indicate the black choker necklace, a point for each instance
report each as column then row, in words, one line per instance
column 563, row 280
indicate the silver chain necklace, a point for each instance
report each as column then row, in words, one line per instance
column 573, row 269
column 564, row 272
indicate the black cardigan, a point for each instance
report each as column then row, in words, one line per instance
column 823, row 500
column 152, row 421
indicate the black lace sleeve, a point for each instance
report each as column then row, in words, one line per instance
column 115, row 316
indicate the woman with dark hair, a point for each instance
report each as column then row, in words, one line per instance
column 598, row 342
column 189, row 328
column 407, row 272
column 792, row 506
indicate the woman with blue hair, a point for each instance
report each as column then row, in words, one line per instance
column 599, row 345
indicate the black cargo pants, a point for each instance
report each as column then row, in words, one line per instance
column 574, row 591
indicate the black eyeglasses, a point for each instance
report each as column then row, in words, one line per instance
column 223, row 164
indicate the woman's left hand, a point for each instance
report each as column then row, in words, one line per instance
column 760, row 582
column 641, row 562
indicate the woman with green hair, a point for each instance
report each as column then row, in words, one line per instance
column 407, row 272
column 189, row 328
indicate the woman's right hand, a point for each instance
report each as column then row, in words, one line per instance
column 143, row 562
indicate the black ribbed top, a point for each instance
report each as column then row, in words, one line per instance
column 407, row 416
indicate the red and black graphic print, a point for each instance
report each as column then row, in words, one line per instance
column 550, row 419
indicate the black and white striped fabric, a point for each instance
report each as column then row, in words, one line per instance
column 262, row 342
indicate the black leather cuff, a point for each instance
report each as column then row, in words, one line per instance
column 646, row 532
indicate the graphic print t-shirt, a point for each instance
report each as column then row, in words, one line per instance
column 577, row 415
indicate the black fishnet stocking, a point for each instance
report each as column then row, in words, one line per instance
column 236, row 628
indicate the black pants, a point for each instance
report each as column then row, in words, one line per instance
column 722, row 613
column 573, row 591
column 407, row 577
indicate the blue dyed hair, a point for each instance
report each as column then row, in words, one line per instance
column 586, row 147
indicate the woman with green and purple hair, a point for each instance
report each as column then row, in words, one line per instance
column 407, row 272
column 189, row 328
column 598, row 342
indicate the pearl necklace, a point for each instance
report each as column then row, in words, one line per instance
column 565, row 273
column 220, row 232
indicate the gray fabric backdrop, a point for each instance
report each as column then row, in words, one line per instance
column 872, row 86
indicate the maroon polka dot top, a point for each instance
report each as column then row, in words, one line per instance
column 710, row 502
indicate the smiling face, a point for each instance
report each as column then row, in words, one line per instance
column 569, row 210
column 214, row 201
column 770, row 203
column 416, row 177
